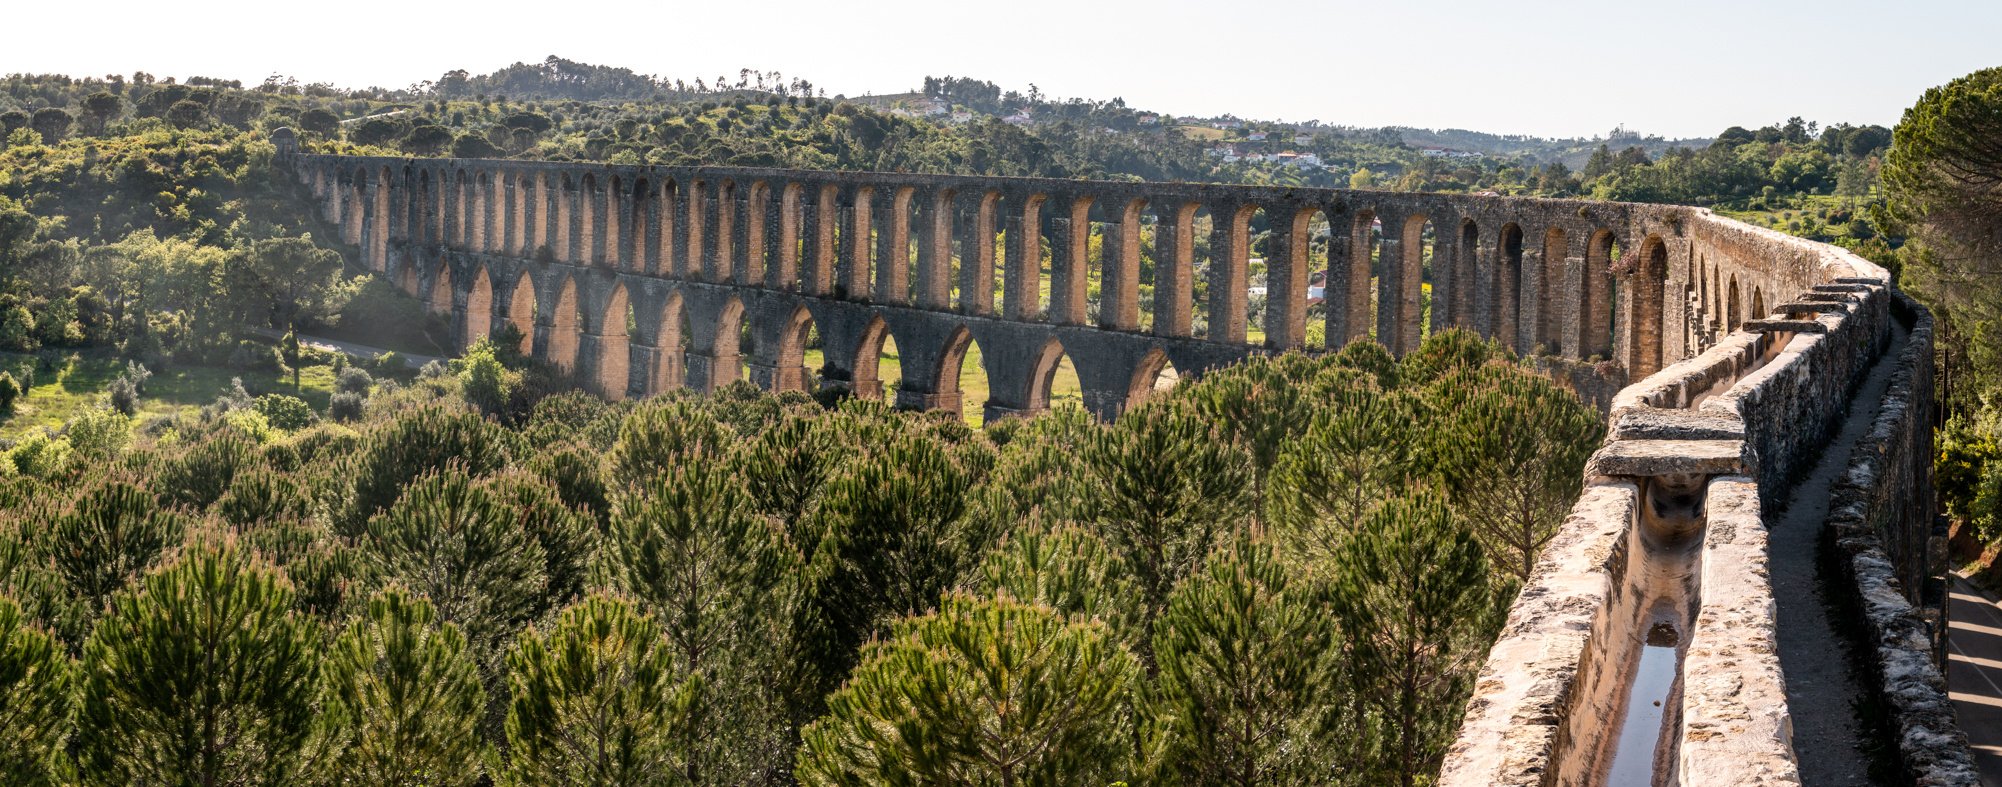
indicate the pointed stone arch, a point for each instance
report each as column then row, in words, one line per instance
column 866, row 378
column 725, row 360
column 479, row 308
column 563, row 330
column 789, row 365
column 1043, row 376
column 521, row 313
column 612, row 350
column 1148, row 378
column 439, row 301
column 670, row 362
column 1644, row 309
column 946, row 377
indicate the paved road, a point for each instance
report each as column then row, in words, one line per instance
column 336, row 345
column 1974, row 673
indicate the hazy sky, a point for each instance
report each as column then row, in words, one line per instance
column 1688, row 68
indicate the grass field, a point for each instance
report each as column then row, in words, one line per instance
column 1204, row 133
column 79, row 380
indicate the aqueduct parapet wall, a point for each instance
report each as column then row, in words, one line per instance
column 1745, row 344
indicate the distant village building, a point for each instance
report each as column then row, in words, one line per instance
column 1019, row 119
column 962, row 116
column 1303, row 139
column 1150, row 119
column 1435, row 152
column 1257, row 136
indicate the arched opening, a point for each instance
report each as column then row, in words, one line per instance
column 1551, row 291
column 425, row 215
column 1365, row 247
column 1596, row 314
column 724, row 255
column 726, row 358
column 757, row 201
column 1733, row 313
column 378, row 246
column 671, row 347
column 638, row 227
column 521, row 313
column 1644, row 326
column 479, row 308
column 1465, row 276
column 562, row 351
column 587, row 250
column 1313, row 232
column 1054, row 381
column 1509, row 288
column 482, row 211
column 664, row 253
column 1154, row 376
column 614, row 353
column 878, row 370
column 792, row 372
column 609, row 238
column 566, row 197
column 786, row 273
column 980, row 268
column 1414, row 296
column 440, row 300
column 462, row 207
column 962, row 378
column 1758, row 311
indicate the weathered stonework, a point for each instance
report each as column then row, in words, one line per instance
column 1742, row 345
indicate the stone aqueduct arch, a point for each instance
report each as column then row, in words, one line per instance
column 562, row 251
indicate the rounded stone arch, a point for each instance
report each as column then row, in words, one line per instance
column 1466, row 272
column 866, row 377
column 521, row 312
column 613, row 349
column 1758, row 311
column 479, row 307
column 1595, row 314
column 563, row 329
column 439, row 301
column 1734, row 306
column 1044, row 375
column 1645, row 306
column 1154, row 374
column 726, row 353
column 946, row 376
column 790, row 372
column 670, row 366
column 1508, row 286
column 1551, row 290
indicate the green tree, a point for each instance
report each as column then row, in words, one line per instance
column 595, row 701
column 202, row 674
column 402, row 699
column 487, row 383
column 1510, row 448
column 281, row 282
column 1171, row 489
column 1414, row 609
column 689, row 549
column 52, row 123
column 99, row 108
column 466, row 551
column 1943, row 178
column 108, row 534
column 981, row 692
column 1247, row 676
column 35, row 682
column 320, row 121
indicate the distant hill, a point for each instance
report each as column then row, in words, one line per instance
column 1572, row 152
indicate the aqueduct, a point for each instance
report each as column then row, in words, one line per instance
column 1746, row 348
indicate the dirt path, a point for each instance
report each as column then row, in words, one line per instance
column 350, row 348
column 1974, row 673
column 1822, row 689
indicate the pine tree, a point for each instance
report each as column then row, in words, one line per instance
column 1360, row 448
column 659, row 435
column 569, row 539
column 109, row 533
column 1510, row 449
column 885, row 540
column 1067, row 569
column 981, row 692
column 1246, row 674
column 401, row 699
column 463, row 548
column 689, row 550
column 595, row 701
column 35, row 682
column 416, row 443
column 201, row 674
column 1413, row 605
column 1170, row 489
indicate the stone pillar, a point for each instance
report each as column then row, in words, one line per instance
column 1230, row 260
column 1070, row 265
column 1021, row 295
column 935, row 250
column 1174, row 268
column 708, row 373
column 688, row 227
column 782, row 219
column 821, row 224
column 1286, row 269
column 857, row 246
column 1119, row 301
column 893, row 247
column 976, row 265
column 723, row 232
column 755, row 248
column 1390, row 280
column 1347, row 290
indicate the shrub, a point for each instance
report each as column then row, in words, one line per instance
column 9, row 392
column 35, row 678
column 99, row 435
column 354, row 380
column 346, row 407
column 289, row 413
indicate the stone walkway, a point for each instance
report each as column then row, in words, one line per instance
column 1974, row 673
column 1822, row 689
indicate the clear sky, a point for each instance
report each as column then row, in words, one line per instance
column 1677, row 68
